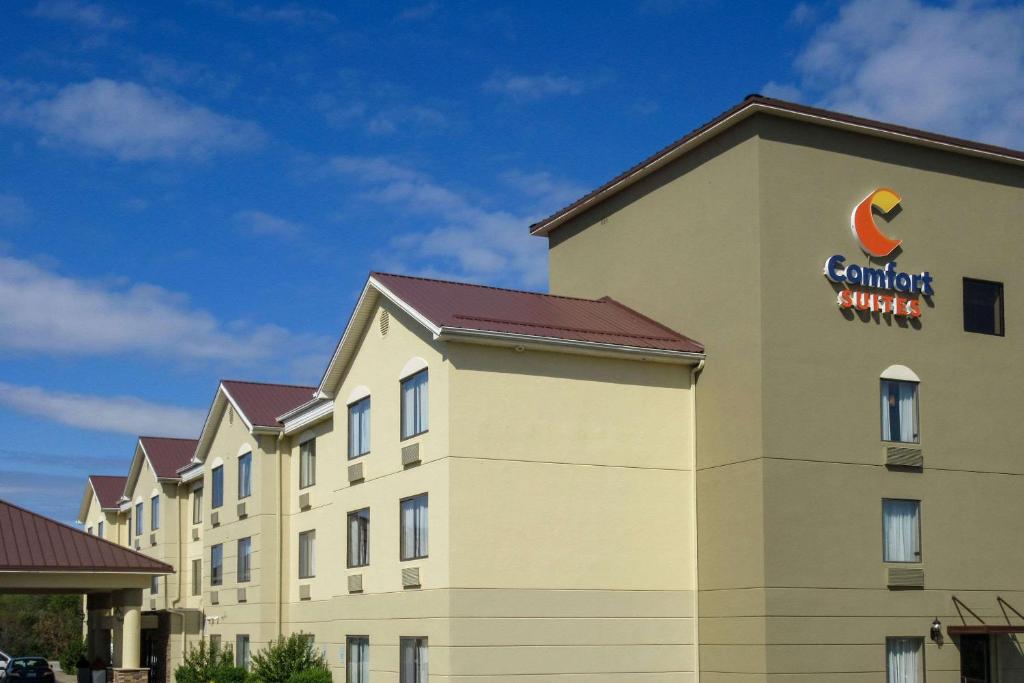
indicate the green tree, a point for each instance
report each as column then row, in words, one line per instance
column 286, row 657
column 40, row 625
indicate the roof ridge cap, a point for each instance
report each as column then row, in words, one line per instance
column 167, row 438
column 480, row 286
column 267, row 384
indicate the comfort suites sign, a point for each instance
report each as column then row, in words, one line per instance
column 883, row 289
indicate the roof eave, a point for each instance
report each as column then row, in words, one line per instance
column 527, row 341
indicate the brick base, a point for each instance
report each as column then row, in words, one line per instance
column 130, row 676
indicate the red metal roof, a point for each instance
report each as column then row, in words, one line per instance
column 262, row 403
column 506, row 311
column 542, row 227
column 168, row 455
column 35, row 543
column 108, row 489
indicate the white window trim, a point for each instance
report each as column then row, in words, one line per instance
column 411, row 367
column 900, row 373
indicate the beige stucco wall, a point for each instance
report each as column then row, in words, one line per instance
column 732, row 240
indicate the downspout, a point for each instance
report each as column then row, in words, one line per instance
column 694, row 371
column 181, row 559
column 280, row 532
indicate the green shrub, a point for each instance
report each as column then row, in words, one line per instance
column 71, row 654
column 209, row 664
column 286, row 657
column 311, row 676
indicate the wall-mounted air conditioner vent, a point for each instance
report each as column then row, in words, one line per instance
column 195, row 533
column 411, row 577
column 241, row 511
column 214, row 598
column 355, row 583
column 304, row 592
column 906, row 577
column 215, row 518
column 304, row 503
column 241, row 595
column 138, row 543
column 152, row 539
column 410, row 454
column 152, row 604
column 355, row 472
column 897, row 456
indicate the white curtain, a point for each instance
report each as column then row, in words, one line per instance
column 414, row 527
column 414, row 405
column 359, row 539
column 413, row 667
column 901, row 526
column 358, row 666
column 307, row 463
column 899, row 411
column 245, row 476
column 904, row 660
column 359, row 428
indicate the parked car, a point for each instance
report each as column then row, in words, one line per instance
column 4, row 658
column 28, row 669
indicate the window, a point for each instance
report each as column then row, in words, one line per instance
column 217, row 475
column 413, row 665
column 154, row 585
column 244, row 476
column 414, row 527
column 899, row 411
column 307, row 463
column 197, row 505
column 359, row 538
column 244, row 559
column 216, row 565
column 903, row 660
column 242, row 651
column 99, row 529
column 901, row 520
column 215, row 641
column 154, row 513
column 357, row 654
column 197, row 576
column 359, row 428
column 129, row 527
column 88, row 530
column 138, row 519
column 983, row 307
column 307, row 554
column 414, row 404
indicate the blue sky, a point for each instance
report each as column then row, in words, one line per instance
column 198, row 190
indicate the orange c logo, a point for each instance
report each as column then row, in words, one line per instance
column 862, row 222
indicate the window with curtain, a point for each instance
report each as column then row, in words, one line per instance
column 901, row 528
column 215, row 641
column 242, row 650
column 244, row 569
column 99, row 530
column 154, row 513
column 357, row 656
column 307, row 463
column 154, row 585
column 414, row 527
column 359, row 428
column 244, row 476
column 899, row 411
column 359, row 538
column 217, row 481
column 307, row 554
column 903, row 660
column 414, row 404
column 216, row 565
column 197, row 576
column 138, row 519
column 413, row 663
column 197, row 505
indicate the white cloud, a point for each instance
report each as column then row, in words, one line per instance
column 954, row 68
column 90, row 15
column 14, row 212
column 42, row 311
column 120, row 414
column 393, row 119
column 524, row 88
column 260, row 224
column 463, row 238
column 127, row 120
column 290, row 13
column 419, row 12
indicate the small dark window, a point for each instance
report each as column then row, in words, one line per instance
column 983, row 306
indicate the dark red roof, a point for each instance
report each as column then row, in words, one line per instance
column 476, row 307
column 35, row 543
column 262, row 403
column 109, row 489
column 168, row 455
column 759, row 100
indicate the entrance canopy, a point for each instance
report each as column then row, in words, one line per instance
column 38, row 554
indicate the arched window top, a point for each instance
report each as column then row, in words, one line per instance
column 412, row 366
column 243, row 449
column 138, row 499
column 154, row 493
column 901, row 373
column 217, row 462
column 359, row 393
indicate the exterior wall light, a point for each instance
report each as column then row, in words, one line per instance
column 936, row 631
column 118, row 614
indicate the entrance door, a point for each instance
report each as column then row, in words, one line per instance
column 974, row 659
column 152, row 655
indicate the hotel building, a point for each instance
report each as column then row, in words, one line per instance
column 763, row 428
